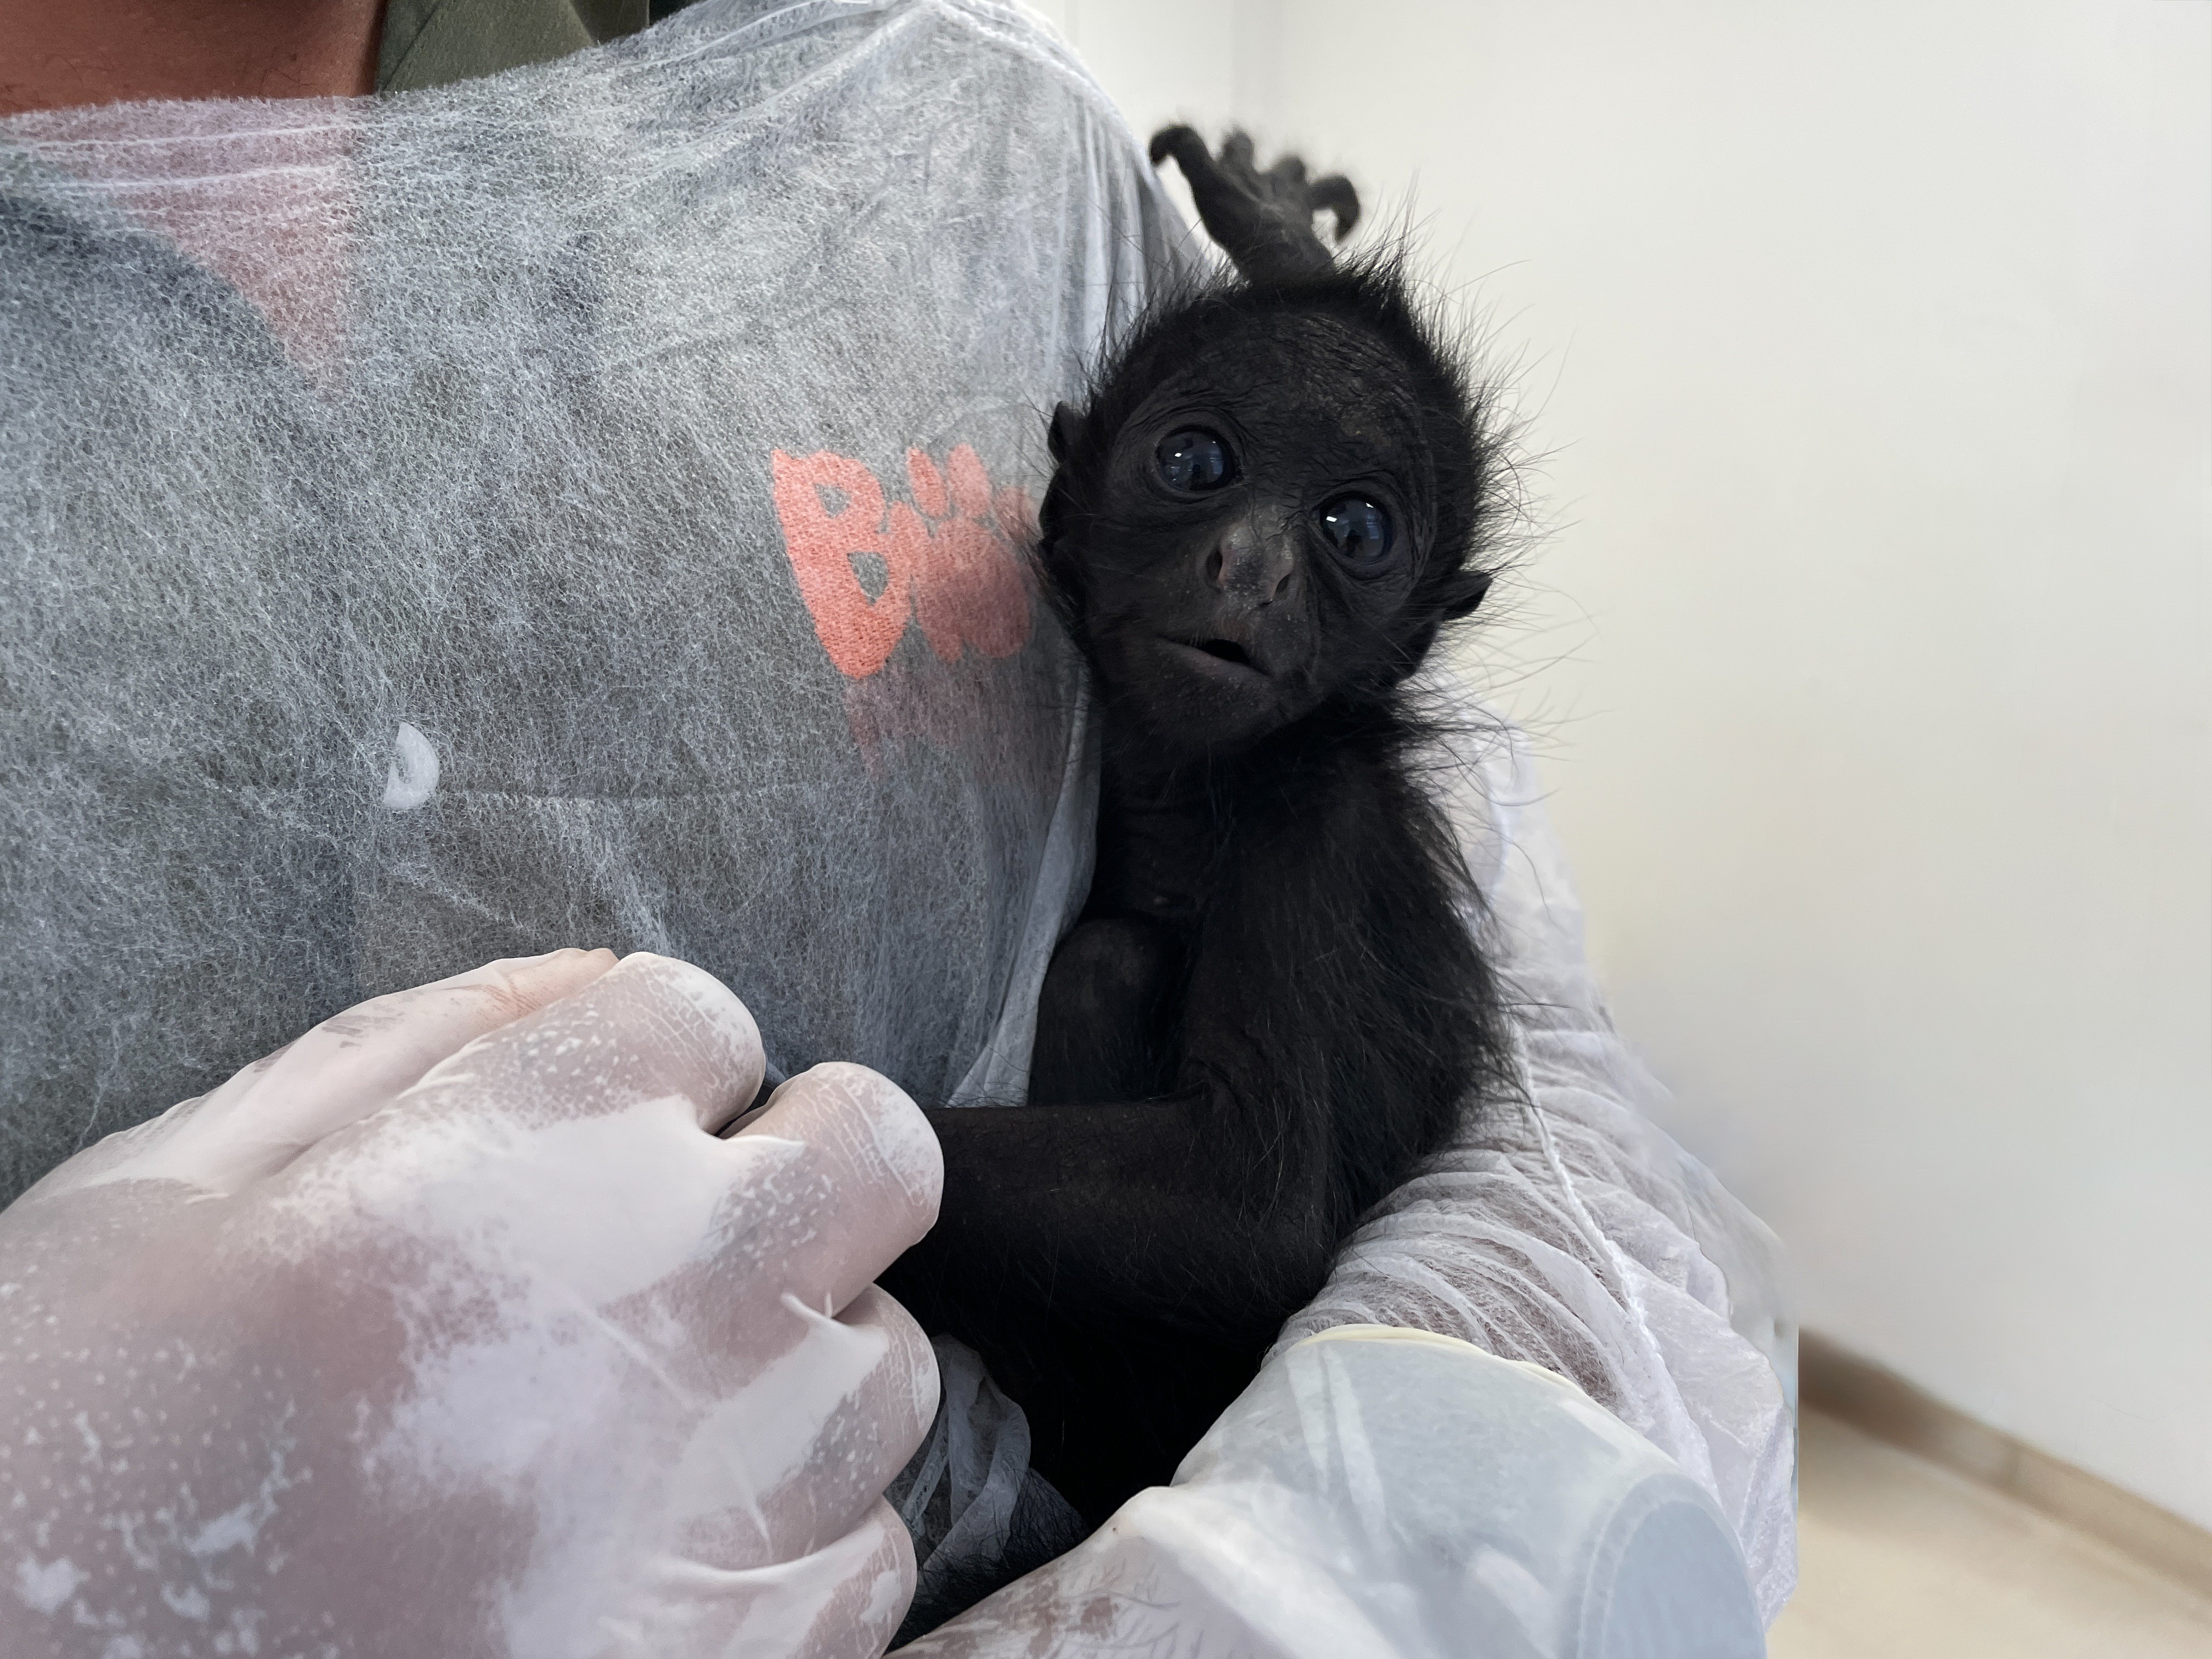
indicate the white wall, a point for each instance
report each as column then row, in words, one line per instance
column 1869, row 346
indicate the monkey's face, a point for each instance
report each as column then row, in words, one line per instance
column 1261, row 519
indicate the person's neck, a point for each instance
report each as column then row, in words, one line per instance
column 58, row 53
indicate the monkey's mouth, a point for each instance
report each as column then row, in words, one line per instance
column 1223, row 662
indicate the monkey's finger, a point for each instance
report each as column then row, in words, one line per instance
column 1185, row 145
column 1236, row 153
column 1225, row 198
column 1335, row 194
column 1289, row 173
column 353, row 1064
column 866, row 1190
column 648, row 1029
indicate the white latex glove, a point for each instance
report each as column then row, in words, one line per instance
column 1379, row 1493
column 451, row 1329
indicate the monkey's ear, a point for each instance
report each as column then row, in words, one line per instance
column 1066, row 432
column 1465, row 593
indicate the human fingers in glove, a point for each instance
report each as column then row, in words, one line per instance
column 454, row 1329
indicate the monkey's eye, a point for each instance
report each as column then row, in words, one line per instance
column 1358, row 529
column 1195, row 460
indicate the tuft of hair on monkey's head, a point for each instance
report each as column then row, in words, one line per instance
column 1283, row 485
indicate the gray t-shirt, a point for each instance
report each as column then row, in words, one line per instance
column 582, row 506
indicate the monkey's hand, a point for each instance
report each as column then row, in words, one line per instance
column 1262, row 219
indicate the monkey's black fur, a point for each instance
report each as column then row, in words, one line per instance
column 1282, row 489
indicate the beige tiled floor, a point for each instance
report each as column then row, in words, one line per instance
column 1899, row 1560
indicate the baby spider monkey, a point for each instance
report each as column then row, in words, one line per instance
column 1281, row 489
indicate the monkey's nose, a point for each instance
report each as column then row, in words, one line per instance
column 1250, row 566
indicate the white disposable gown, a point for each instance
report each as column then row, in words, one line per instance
column 585, row 506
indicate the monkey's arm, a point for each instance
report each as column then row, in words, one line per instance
column 1262, row 220
column 1103, row 1030
column 1120, row 1269
column 1149, row 1210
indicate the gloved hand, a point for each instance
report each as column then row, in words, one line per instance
column 1381, row 1493
column 451, row 1329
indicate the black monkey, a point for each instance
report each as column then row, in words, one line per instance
column 1282, row 489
